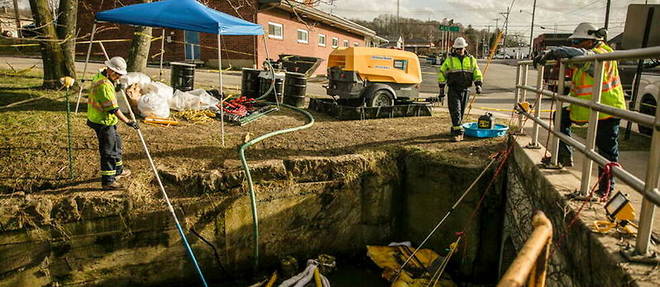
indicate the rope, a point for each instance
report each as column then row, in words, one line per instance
column 167, row 200
column 607, row 174
column 460, row 199
column 493, row 49
column 452, row 250
column 246, row 168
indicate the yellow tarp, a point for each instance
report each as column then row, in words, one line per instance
column 417, row 272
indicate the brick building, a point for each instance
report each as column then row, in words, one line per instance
column 292, row 28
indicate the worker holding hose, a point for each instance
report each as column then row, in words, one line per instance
column 458, row 71
column 589, row 40
column 103, row 114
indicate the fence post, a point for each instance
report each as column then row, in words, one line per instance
column 590, row 142
column 523, row 98
column 647, row 213
column 517, row 90
column 537, row 107
column 554, row 147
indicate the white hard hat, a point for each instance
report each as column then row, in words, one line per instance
column 117, row 64
column 460, row 43
column 586, row 31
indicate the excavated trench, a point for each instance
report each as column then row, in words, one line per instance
column 307, row 206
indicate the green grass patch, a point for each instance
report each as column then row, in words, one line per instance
column 33, row 133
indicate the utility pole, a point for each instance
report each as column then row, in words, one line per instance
column 506, row 26
column 398, row 19
column 18, row 19
column 531, row 32
column 487, row 43
column 607, row 14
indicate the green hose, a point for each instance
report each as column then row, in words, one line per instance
column 253, row 198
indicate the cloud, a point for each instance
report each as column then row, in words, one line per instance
column 565, row 14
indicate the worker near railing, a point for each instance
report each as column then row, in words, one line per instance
column 586, row 40
column 103, row 114
column 458, row 71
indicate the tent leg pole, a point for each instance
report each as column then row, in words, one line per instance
column 222, row 95
column 82, row 81
column 162, row 51
column 104, row 52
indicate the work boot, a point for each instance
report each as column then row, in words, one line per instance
column 125, row 173
column 112, row 186
column 457, row 138
column 566, row 161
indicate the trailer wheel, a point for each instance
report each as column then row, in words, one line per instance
column 380, row 98
column 647, row 106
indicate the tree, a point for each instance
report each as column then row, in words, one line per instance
column 58, row 39
column 139, row 51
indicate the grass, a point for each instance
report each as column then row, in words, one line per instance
column 32, row 135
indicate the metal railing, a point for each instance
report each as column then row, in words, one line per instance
column 648, row 188
column 531, row 263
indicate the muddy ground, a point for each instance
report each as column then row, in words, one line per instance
column 33, row 143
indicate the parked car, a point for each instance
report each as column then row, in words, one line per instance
column 647, row 98
column 628, row 69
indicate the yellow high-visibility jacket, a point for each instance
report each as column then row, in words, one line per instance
column 102, row 101
column 459, row 73
column 583, row 83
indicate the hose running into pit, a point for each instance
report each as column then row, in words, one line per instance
column 184, row 240
column 246, row 168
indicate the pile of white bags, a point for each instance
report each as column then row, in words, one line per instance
column 193, row 100
column 157, row 98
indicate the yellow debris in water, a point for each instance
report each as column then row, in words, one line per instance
column 389, row 258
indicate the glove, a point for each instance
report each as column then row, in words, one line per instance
column 441, row 93
column 543, row 57
column 478, row 89
column 133, row 124
column 120, row 87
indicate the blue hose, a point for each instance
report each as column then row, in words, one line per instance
column 253, row 197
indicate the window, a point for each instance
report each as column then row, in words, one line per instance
column 303, row 36
column 346, row 43
column 356, row 44
column 400, row 64
column 275, row 30
column 335, row 42
column 321, row 40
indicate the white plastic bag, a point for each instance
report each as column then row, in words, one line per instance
column 193, row 100
column 158, row 88
column 153, row 105
column 133, row 78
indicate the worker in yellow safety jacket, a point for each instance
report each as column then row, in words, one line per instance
column 458, row 72
column 103, row 114
column 588, row 40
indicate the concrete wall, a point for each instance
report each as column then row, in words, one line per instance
column 583, row 258
column 335, row 205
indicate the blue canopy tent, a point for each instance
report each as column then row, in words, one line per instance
column 187, row 15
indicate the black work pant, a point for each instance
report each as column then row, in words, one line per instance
column 110, row 151
column 457, row 99
column 607, row 144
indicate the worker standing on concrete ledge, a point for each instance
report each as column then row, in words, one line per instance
column 102, row 115
column 587, row 39
column 458, row 71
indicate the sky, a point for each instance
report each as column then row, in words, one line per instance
column 554, row 15
column 562, row 15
